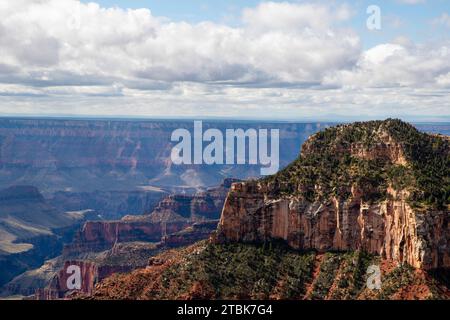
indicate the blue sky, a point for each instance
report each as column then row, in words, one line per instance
column 400, row 18
column 293, row 60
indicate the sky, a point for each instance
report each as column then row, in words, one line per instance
column 402, row 18
column 286, row 60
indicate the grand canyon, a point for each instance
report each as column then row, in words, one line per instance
column 103, row 195
column 55, row 174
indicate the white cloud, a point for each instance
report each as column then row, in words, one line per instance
column 117, row 44
column 60, row 56
column 397, row 65
column 444, row 80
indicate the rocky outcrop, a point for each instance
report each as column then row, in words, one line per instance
column 204, row 205
column 173, row 214
column 388, row 224
column 178, row 220
column 98, row 236
column 123, row 257
column 390, row 228
column 89, row 274
column 198, row 231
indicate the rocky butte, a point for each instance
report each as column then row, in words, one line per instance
column 359, row 195
column 382, row 187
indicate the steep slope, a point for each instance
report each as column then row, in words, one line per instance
column 31, row 230
column 25, row 214
column 379, row 186
column 173, row 214
column 271, row 271
column 101, row 248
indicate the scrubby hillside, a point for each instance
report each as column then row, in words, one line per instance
column 266, row 271
column 371, row 156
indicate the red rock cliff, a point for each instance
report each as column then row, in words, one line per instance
column 102, row 235
column 90, row 274
column 389, row 227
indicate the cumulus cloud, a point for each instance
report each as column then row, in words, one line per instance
column 51, row 38
column 397, row 65
column 63, row 56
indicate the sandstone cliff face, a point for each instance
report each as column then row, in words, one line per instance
column 205, row 205
column 118, row 246
column 391, row 228
column 90, row 274
column 385, row 225
column 123, row 257
column 97, row 236
column 173, row 214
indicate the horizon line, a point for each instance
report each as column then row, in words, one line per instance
column 446, row 119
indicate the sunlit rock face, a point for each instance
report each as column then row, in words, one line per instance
column 390, row 228
column 388, row 222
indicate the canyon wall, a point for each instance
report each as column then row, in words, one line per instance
column 178, row 220
column 89, row 155
column 90, row 274
column 354, row 187
column 98, row 236
column 391, row 228
column 171, row 215
column 31, row 230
